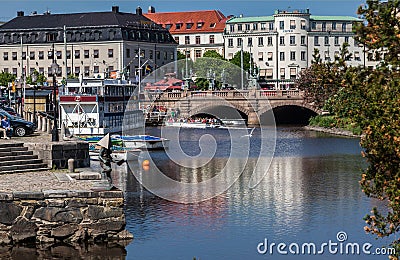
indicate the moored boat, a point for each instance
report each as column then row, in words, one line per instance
column 142, row 141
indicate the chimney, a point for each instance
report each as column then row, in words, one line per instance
column 139, row 10
column 115, row 9
column 20, row 13
column 151, row 10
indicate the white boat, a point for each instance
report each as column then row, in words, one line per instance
column 92, row 106
column 142, row 141
column 234, row 122
column 117, row 155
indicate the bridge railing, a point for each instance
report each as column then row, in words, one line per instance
column 231, row 94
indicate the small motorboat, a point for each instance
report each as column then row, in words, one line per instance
column 148, row 142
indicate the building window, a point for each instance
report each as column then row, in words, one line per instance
column 96, row 54
column 86, row 54
column 32, row 55
column 303, row 55
column 260, row 41
column 247, row 26
column 41, row 56
column 292, row 55
column 51, row 37
column 281, row 40
column 41, row 70
column 346, row 39
column 271, row 26
column 128, row 53
column 324, row 26
column 77, row 71
column 5, row 70
column 240, row 27
column 316, row 40
column 110, row 53
column 269, row 56
column 232, row 27
column 282, row 25
column 172, row 55
column 292, row 24
column 14, row 55
column 333, row 26
column 68, row 70
column 269, row 74
column 281, row 56
column 178, row 26
column 96, row 69
column 212, row 39
column 344, row 25
column 165, row 56
column 24, row 55
column 187, row 40
column 292, row 40
column 150, row 54
column 269, row 39
column 15, row 72
column 189, row 26
column 158, row 55
column 282, row 73
column 260, row 56
column 68, row 54
column 326, row 41
column 336, row 39
column 255, row 26
column 239, row 42
column 303, row 25
column 50, row 55
column 250, row 42
column 197, row 39
column 327, row 57
column 86, row 71
column 5, row 55
column 59, row 55
column 314, row 25
column 293, row 73
column 198, row 53
column 176, row 38
column 77, row 54
column 199, row 25
column 303, row 40
column 263, row 26
column 230, row 42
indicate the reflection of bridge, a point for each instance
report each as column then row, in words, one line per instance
column 252, row 103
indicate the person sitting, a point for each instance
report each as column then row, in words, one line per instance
column 6, row 127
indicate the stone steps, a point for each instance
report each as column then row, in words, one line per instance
column 15, row 158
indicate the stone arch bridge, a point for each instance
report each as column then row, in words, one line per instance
column 253, row 103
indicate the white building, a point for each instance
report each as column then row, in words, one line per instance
column 283, row 44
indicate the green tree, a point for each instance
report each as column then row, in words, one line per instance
column 5, row 78
column 181, row 56
column 377, row 94
column 213, row 54
column 40, row 78
column 236, row 60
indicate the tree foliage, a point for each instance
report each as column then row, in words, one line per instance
column 236, row 60
column 5, row 78
column 40, row 78
column 180, row 55
column 213, row 54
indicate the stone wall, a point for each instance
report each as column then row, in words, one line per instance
column 56, row 154
column 55, row 216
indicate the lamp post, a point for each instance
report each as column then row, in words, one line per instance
column 34, row 79
column 54, row 131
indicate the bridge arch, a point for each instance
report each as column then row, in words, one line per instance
column 204, row 107
column 280, row 103
column 288, row 113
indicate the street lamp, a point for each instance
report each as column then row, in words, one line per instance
column 54, row 71
column 34, row 79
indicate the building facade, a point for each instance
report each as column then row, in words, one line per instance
column 88, row 44
column 195, row 31
column 283, row 44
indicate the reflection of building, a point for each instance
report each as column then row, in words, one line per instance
column 95, row 43
column 283, row 44
column 195, row 31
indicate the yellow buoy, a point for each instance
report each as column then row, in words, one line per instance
column 146, row 163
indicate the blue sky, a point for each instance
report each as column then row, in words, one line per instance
column 9, row 9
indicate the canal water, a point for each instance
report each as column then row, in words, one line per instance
column 309, row 195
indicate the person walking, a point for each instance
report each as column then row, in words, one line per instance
column 5, row 127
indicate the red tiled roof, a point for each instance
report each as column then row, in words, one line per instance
column 208, row 18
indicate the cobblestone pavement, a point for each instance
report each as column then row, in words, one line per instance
column 43, row 180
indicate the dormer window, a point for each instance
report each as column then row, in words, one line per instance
column 178, row 25
column 168, row 26
column 212, row 25
column 200, row 24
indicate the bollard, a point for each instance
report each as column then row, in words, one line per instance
column 44, row 124
column 39, row 123
column 49, row 125
column 71, row 165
